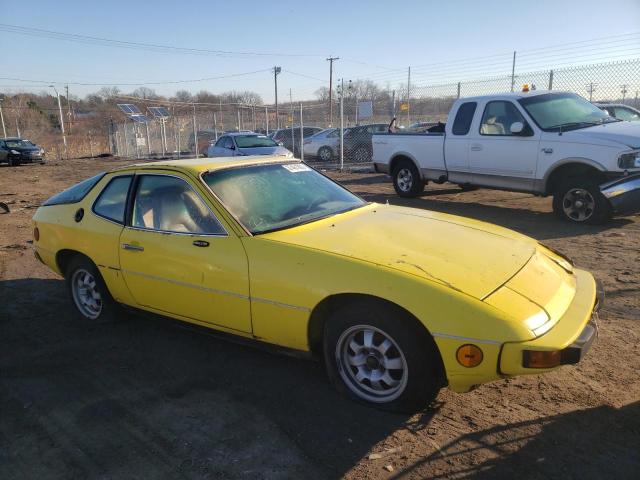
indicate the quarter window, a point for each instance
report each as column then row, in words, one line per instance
column 169, row 204
column 112, row 201
column 498, row 117
column 462, row 122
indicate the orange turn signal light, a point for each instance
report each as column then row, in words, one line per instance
column 541, row 359
column 469, row 355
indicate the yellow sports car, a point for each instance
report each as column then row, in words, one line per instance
column 399, row 302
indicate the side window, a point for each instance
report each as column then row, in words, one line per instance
column 228, row 142
column 169, row 204
column 498, row 117
column 624, row 114
column 112, row 201
column 464, row 117
column 220, row 142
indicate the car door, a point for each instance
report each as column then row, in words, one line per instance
column 498, row 156
column 177, row 258
column 217, row 150
column 4, row 152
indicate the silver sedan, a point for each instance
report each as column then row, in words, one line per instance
column 324, row 145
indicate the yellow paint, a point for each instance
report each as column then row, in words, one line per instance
column 465, row 280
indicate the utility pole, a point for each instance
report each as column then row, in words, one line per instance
column 68, row 109
column 301, row 135
column 550, row 79
column 293, row 132
column 276, row 72
column 331, row 60
column 64, row 137
column 624, row 91
column 266, row 119
column 408, row 96
column 513, row 71
column 590, row 89
column 4, row 130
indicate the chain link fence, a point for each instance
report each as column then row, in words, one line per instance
column 192, row 128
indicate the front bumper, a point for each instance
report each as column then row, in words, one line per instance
column 623, row 194
column 572, row 335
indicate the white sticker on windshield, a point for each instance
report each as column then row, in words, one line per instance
column 296, row 167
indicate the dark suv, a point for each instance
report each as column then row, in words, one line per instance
column 357, row 141
column 15, row 151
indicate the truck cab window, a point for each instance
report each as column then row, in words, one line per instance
column 498, row 117
column 462, row 122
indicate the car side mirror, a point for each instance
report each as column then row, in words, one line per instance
column 516, row 128
column 232, row 147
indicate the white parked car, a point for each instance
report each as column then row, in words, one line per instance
column 545, row 143
column 324, row 145
column 620, row 111
column 240, row 144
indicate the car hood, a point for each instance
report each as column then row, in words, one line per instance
column 466, row 255
column 265, row 151
column 25, row 149
column 625, row 133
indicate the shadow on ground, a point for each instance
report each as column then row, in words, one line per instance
column 149, row 398
column 584, row 444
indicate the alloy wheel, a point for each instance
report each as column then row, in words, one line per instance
column 86, row 294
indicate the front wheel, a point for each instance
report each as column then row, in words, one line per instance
column 14, row 161
column 375, row 355
column 579, row 200
column 406, row 179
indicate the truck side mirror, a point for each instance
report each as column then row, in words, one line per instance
column 516, row 128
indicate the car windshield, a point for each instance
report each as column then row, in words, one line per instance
column 566, row 111
column 272, row 197
column 254, row 141
column 19, row 143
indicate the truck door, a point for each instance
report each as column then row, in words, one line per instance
column 503, row 151
column 456, row 144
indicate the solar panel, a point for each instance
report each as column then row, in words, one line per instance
column 159, row 112
column 139, row 118
column 129, row 109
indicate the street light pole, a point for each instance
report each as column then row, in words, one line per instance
column 64, row 137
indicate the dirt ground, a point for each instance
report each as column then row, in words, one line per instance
column 150, row 398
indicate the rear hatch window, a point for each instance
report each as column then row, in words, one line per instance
column 76, row 193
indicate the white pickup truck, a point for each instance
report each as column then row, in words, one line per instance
column 540, row 142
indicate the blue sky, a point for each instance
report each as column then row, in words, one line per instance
column 370, row 37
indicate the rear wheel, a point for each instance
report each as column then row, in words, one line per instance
column 406, row 179
column 89, row 292
column 375, row 355
column 579, row 200
column 325, row 154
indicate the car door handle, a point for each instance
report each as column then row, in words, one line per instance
column 476, row 147
column 201, row 243
column 133, row 248
column 547, row 150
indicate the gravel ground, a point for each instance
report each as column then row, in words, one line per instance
column 151, row 398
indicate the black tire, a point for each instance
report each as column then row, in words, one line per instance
column 411, row 346
column 325, row 154
column 14, row 162
column 109, row 310
column 406, row 179
column 579, row 200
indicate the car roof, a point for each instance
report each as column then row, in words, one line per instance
column 613, row 105
column 244, row 134
column 12, row 138
column 199, row 165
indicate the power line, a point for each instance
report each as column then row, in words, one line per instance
column 108, row 42
column 124, row 84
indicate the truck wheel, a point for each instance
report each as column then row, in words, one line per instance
column 375, row 355
column 406, row 179
column 579, row 200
